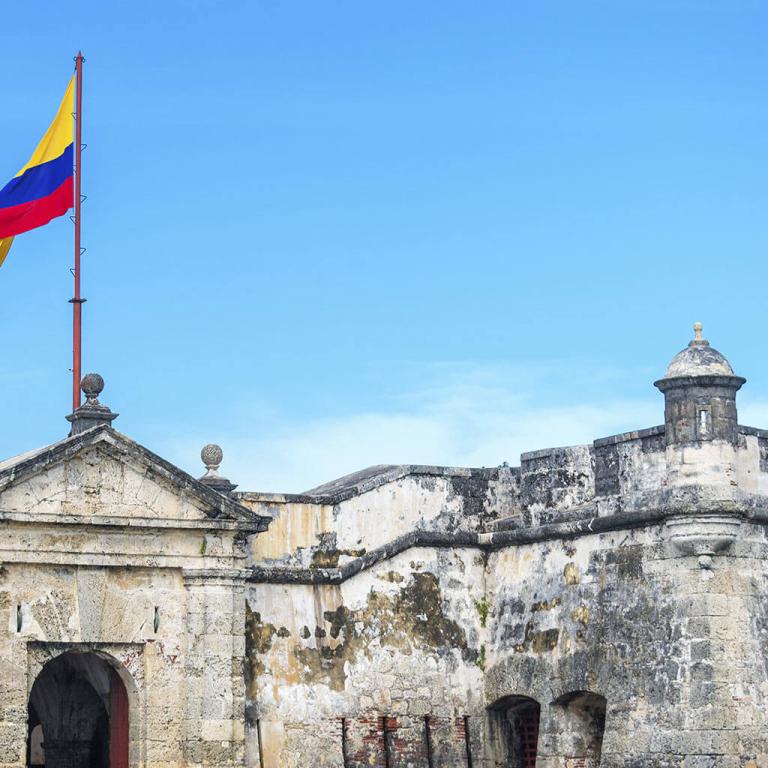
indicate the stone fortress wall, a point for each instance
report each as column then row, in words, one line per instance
column 606, row 596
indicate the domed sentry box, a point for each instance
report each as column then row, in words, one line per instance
column 700, row 395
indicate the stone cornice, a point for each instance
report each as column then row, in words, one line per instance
column 93, row 523
column 214, row 576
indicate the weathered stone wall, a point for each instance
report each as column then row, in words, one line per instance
column 643, row 645
column 631, row 463
column 106, row 549
column 676, row 649
column 81, row 608
column 336, row 523
column 672, row 643
column 365, row 669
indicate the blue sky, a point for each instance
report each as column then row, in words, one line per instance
column 332, row 234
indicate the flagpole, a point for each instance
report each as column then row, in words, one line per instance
column 77, row 301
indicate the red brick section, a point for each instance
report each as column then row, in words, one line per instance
column 407, row 743
column 365, row 742
column 376, row 741
column 463, row 733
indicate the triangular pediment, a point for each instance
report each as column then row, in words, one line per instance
column 104, row 477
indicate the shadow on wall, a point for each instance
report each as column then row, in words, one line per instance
column 572, row 727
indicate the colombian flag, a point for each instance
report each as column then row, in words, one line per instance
column 42, row 189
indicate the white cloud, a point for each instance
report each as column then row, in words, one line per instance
column 753, row 413
column 475, row 417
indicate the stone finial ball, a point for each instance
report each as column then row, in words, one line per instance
column 212, row 456
column 92, row 385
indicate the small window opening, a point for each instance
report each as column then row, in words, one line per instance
column 19, row 618
column 156, row 619
column 704, row 422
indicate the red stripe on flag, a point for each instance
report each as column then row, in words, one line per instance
column 21, row 218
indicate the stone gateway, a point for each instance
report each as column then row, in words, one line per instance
column 599, row 605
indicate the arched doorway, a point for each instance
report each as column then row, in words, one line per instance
column 579, row 718
column 78, row 714
column 514, row 722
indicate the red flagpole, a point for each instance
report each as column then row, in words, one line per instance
column 77, row 301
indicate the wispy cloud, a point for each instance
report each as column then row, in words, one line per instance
column 466, row 416
column 753, row 412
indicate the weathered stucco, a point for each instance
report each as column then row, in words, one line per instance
column 404, row 642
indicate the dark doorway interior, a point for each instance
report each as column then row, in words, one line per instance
column 78, row 715
column 581, row 724
column 515, row 731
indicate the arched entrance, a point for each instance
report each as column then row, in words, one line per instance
column 579, row 721
column 78, row 714
column 514, row 722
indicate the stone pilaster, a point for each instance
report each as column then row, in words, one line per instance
column 13, row 698
column 215, row 683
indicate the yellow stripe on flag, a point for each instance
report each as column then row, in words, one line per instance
column 5, row 246
column 59, row 135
